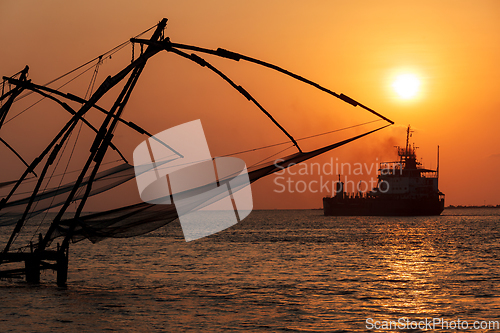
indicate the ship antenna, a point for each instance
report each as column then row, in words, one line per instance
column 407, row 139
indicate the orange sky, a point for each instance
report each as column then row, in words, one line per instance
column 352, row 47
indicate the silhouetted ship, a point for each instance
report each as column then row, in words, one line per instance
column 404, row 188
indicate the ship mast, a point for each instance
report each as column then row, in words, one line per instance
column 407, row 157
column 437, row 168
column 407, row 139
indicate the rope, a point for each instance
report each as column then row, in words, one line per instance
column 3, row 91
column 41, row 99
column 329, row 132
column 90, row 89
column 48, row 181
column 270, row 156
column 304, row 138
column 106, row 55
column 100, row 59
column 31, row 180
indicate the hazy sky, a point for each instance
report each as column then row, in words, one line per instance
column 358, row 48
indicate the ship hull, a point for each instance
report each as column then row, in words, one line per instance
column 382, row 207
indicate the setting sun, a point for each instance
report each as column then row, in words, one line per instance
column 406, row 86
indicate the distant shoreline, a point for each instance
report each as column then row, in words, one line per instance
column 482, row 206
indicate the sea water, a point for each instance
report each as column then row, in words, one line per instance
column 276, row 271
